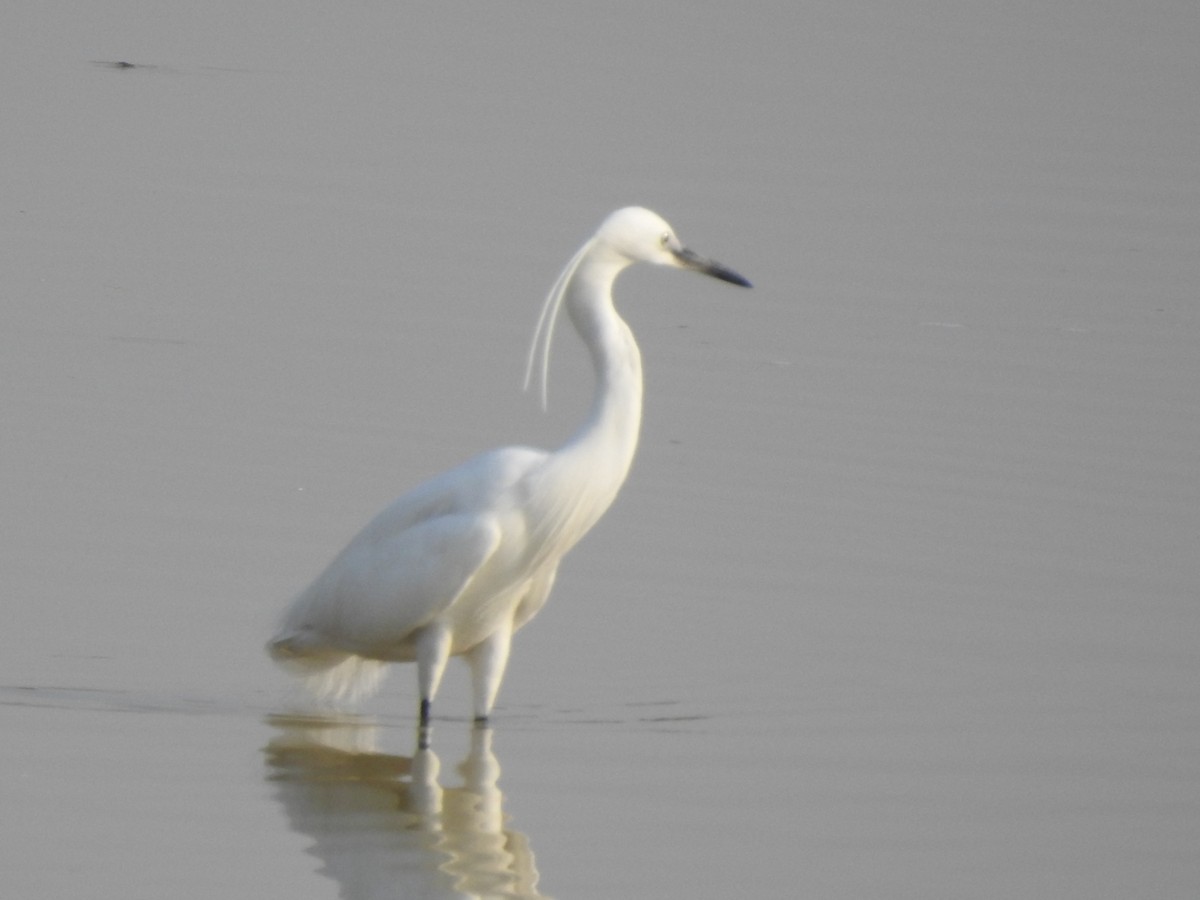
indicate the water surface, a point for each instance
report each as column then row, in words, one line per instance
column 900, row 598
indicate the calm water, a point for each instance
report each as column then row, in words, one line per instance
column 901, row 597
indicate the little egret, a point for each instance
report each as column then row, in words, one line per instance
column 459, row 563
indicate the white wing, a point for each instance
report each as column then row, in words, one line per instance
column 408, row 565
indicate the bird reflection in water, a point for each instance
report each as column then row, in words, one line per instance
column 383, row 825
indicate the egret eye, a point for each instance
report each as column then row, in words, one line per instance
column 666, row 238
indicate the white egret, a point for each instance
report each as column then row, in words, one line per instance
column 459, row 563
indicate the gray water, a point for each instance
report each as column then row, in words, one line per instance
column 900, row 600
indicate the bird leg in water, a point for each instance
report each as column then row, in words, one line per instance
column 433, row 649
column 487, row 660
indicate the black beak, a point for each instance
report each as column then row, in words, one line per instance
column 692, row 261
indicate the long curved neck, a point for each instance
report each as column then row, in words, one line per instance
column 609, row 436
column 581, row 479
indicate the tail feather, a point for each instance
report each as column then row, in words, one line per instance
column 329, row 675
column 352, row 680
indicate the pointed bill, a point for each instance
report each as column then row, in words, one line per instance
column 690, row 260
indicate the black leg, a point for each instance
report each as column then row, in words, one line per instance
column 426, row 708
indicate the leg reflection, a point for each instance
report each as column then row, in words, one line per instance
column 384, row 826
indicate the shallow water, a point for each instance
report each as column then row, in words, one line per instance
column 900, row 598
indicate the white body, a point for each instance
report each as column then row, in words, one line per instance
column 458, row 564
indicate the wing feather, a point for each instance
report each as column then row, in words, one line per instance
column 375, row 593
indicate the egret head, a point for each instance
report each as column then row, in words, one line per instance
column 640, row 235
column 629, row 235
